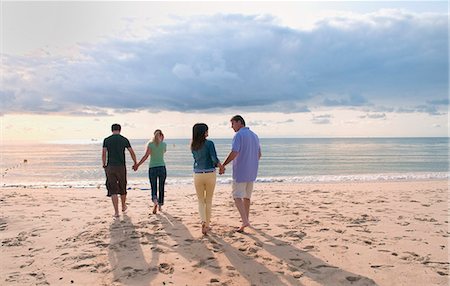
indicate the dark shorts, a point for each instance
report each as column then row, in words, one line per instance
column 116, row 180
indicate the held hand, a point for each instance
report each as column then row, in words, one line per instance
column 135, row 167
column 221, row 170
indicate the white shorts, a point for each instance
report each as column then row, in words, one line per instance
column 242, row 190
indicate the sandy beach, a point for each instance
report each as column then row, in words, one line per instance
column 372, row 233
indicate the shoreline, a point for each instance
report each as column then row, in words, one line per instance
column 338, row 233
column 316, row 179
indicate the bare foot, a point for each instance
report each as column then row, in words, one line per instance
column 160, row 208
column 204, row 228
column 154, row 209
column 116, row 216
column 125, row 209
column 242, row 228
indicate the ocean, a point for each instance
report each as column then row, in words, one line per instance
column 309, row 160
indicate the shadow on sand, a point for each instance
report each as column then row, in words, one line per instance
column 308, row 265
column 125, row 255
column 186, row 245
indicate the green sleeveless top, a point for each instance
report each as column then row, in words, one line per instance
column 157, row 155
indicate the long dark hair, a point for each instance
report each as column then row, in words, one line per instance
column 198, row 136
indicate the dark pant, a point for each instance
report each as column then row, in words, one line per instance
column 154, row 174
column 116, row 180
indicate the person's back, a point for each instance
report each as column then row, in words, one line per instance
column 157, row 154
column 245, row 154
column 116, row 145
column 205, row 158
column 245, row 165
column 113, row 158
column 156, row 168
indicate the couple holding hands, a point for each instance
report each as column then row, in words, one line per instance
column 245, row 154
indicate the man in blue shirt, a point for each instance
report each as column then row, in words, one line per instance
column 245, row 154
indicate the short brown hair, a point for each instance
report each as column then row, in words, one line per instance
column 238, row 118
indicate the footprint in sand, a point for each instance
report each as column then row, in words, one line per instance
column 3, row 225
column 296, row 235
column 27, row 263
column 15, row 241
column 166, row 268
column 339, row 246
column 411, row 256
column 381, row 266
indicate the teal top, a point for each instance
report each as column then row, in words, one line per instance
column 205, row 158
column 157, row 155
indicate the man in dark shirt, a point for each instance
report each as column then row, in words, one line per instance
column 113, row 158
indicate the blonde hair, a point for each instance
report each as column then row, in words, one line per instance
column 156, row 137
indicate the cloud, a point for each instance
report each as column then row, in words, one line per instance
column 322, row 119
column 258, row 123
column 374, row 116
column 352, row 100
column 430, row 109
column 286, row 121
column 218, row 62
column 444, row 101
column 87, row 111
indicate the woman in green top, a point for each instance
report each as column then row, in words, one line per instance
column 157, row 168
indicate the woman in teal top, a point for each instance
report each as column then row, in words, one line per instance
column 205, row 163
column 157, row 168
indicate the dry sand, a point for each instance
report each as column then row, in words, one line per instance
column 377, row 233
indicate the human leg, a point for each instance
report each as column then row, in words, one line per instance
column 162, row 182
column 199, row 185
column 113, row 187
column 239, row 202
column 122, row 183
column 242, row 203
column 152, row 176
column 123, row 199
column 247, row 196
column 115, row 201
column 210, row 185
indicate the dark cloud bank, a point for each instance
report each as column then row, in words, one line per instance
column 390, row 59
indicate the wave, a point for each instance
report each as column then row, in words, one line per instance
column 144, row 185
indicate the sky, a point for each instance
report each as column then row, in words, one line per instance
column 292, row 69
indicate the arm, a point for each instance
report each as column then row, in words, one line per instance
column 104, row 150
column 148, row 151
column 214, row 157
column 231, row 156
column 133, row 155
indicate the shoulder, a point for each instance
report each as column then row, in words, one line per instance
column 238, row 135
column 253, row 133
column 108, row 139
